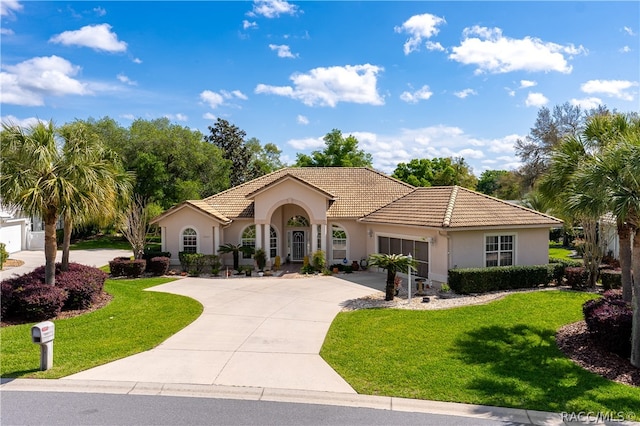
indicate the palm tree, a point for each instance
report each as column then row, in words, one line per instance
column 392, row 263
column 46, row 181
column 236, row 249
column 559, row 185
column 101, row 187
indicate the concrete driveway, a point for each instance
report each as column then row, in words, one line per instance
column 258, row 332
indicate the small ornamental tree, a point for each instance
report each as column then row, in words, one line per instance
column 392, row 263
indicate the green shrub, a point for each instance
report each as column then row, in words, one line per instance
column 125, row 267
column 212, row 261
column 4, row 254
column 307, row 269
column 611, row 279
column 558, row 266
column 482, row 280
column 318, row 260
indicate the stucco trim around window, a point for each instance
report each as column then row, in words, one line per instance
column 189, row 240
column 339, row 242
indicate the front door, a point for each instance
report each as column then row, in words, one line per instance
column 298, row 245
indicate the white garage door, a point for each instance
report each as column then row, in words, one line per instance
column 11, row 235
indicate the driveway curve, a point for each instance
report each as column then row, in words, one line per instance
column 258, row 332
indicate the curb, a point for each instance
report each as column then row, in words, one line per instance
column 512, row 415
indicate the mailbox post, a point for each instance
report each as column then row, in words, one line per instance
column 43, row 334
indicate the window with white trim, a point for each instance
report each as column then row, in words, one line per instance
column 248, row 239
column 189, row 240
column 298, row 221
column 338, row 242
column 499, row 250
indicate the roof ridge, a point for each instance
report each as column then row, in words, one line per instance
column 284, row 169
column 452, row 202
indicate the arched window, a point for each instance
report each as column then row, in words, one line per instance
column 249, row 239
column 298, row 221
column 273, row 243
column 189, row 240
column 338, row 242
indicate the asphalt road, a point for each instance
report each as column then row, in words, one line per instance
column 56, row 408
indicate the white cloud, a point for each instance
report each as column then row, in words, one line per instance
column 420, row 27
column 246, row 24
column 98, row 37
column 307, row 143
column 28, row 82
column 492, row 52
column 6, row 31
column 8, row 7
column 99, row 11
column 629, row 31
column 212, row 98
column 177, row 117
column 620, row 89
column 273, row 8
column 126, row 80
column 328, row 86
column 128, row 116
column 586, row 103
column 431, row 45
column 504, row 144
column 283, row 50
column 422, row 94
column 465, row 93
column 527, row 83
column 215, row 99
column 536, row 100
column 137, row 60
column 301, row 119
column 12, row 120
column 625, row 49
column 209, row 116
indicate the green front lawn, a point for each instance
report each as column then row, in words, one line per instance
column 558, row 251
column 499, row 354
column 102, row 242
column 133, row 322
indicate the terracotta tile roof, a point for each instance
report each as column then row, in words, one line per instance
column 198, row 205
column 456, row 207
column 357, row 190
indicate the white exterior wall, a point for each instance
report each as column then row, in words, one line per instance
column 13, row 233
column 173, row 226
column 357, row 246
column 468, row 247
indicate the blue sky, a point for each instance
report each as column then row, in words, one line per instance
column 408, row 79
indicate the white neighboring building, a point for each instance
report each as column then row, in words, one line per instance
column 19, row 232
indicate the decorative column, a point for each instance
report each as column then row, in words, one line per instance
column 323, row 238
column 216, row 239
column 259, row 228
column 314, row 238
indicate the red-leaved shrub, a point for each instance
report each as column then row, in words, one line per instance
column 125, row 267
column 39, row 302
column 577, row 277
column 158, row 266
column 609, row 322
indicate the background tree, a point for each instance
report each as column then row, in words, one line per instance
column 551, row 128
column 264, row 159
column 172, row 163
column 338, row 152
column 392, row 263
column 501, row 184
column 230, row 140
column 436, row 172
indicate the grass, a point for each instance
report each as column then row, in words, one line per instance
column 133, row 322
column 499, row 354
column 102, row 242
column 557, row 250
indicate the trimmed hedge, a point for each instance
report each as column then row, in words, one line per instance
column 197, row 263
column 125, row 267
column 559, row 266
column 158, row 266
column 609, row 321
column 611, row 279
column 482, row 280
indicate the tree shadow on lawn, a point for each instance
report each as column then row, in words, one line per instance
column 523, row 368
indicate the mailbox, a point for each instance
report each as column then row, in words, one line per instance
column 43, row 332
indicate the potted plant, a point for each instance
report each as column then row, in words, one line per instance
column 260, row 257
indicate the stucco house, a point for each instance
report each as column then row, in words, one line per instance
column 352, row 212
